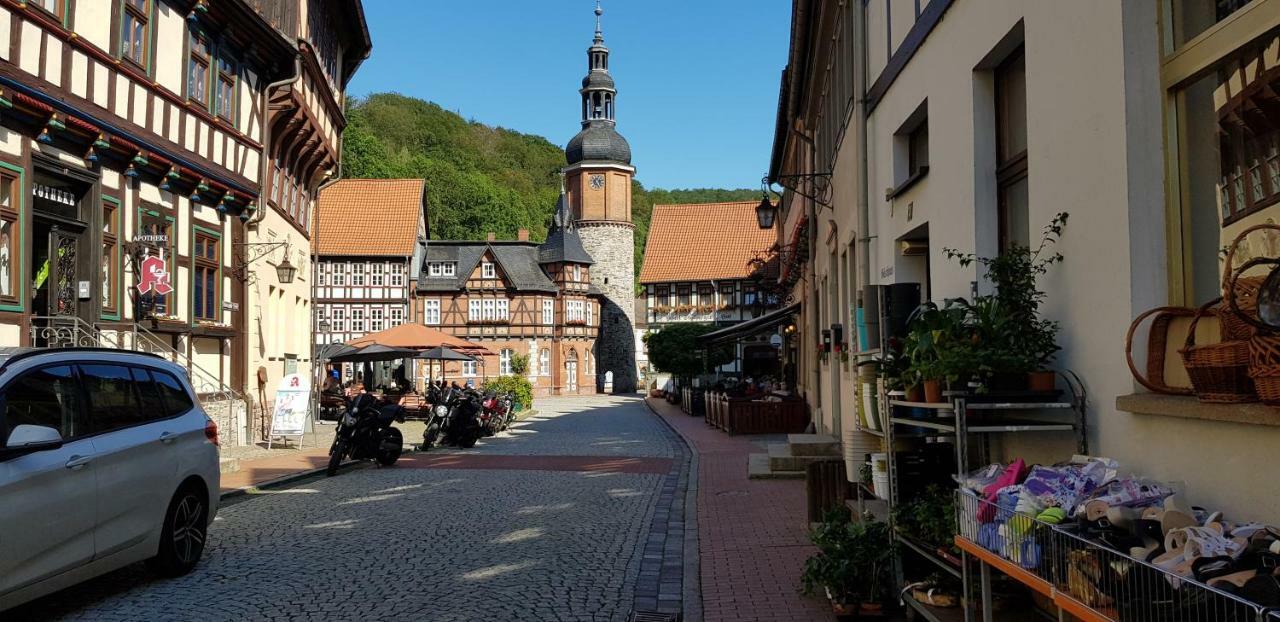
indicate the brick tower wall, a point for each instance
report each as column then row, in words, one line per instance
column 612, row 246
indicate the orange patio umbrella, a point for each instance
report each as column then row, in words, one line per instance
column 419, row 337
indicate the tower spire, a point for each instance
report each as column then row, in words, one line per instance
column 599, row 32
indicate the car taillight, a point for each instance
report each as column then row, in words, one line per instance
column 211, row 432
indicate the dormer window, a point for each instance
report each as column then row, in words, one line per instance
column 488, row 271
column 449, row 268
column 439, row 269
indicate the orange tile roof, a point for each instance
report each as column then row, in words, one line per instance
column 703, row 241
column 369, row 217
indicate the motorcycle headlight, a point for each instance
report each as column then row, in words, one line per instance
column 441, row 410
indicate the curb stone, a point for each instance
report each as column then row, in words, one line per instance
column 285, row 480
column 692, row 563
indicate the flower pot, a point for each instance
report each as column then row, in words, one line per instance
column 914, row 394
column 1041, row 380
column 933, row 391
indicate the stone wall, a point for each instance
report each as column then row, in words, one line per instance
column 612, row 246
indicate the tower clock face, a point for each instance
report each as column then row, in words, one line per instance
column 596, row 181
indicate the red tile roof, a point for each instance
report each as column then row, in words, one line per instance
column 703, row 241
column 369, row 217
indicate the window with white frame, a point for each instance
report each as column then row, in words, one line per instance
column 504, row 309
column 469, row 369
column 338, row 321
column 339, row 276
column 377, row 274
column 449, row 268
column 397, row 275
column 548, row 312
column 357, row 274
column 544, row 362
column 435, row 268
column 357, row 320
column 376, row 320
column 488, row 271
column 323, row 277
column 490, row 313
column 504, row 361
column 474, row 311
column 431, row 312
column 397, row 317
column 577, row 273
column 590, row 313
column 575, row 311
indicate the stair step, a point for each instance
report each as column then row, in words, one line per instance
column 758, row 468
column 813, row 445
column 782, row 457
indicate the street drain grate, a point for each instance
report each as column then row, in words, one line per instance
column 653, row 616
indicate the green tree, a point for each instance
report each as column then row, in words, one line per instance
column 675, row 350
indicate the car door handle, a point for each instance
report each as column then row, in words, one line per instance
column 79, row 462
column 168, row 438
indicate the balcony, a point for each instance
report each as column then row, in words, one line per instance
column 282, row 15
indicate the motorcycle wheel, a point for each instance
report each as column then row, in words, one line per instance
column 387, row 456
column 429, row 437
column 335, row 459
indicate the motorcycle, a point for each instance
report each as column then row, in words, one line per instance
column 440, row 398
column 497, row 412
column 365, row 432
column 462, row 427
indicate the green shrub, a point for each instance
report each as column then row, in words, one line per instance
column 518, row 386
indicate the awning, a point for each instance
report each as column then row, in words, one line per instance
column 770, row 320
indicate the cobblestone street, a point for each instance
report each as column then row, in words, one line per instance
column 565, row 517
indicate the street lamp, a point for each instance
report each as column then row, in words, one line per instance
column 285, row 271
column 766, row 212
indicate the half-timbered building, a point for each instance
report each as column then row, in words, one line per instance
column 134, row 143
column 367, row 234
column 517, row 298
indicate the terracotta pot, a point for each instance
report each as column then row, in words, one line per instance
column 914, row 394
column 1041, row 380
column 871, row 609
column 933, row 391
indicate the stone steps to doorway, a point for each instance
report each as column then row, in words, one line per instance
column 788, row 460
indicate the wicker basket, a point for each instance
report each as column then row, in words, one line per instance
column 1219, row 371
column 1264, row 367
column 1157, row 339
column 1241, row 292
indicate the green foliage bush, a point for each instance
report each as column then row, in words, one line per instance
column 853, row 562
column 675, row 350
column 518, row 386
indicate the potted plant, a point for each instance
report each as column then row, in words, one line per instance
column 852, row 566
column 1028, row 341
column 938, row 347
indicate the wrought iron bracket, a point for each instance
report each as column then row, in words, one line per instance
column 249, row 252
column 813, row 186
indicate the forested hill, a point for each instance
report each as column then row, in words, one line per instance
column 480, row 179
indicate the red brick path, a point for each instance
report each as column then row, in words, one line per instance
column 262, row 470
column 752, row 540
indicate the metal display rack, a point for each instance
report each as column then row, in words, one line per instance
column 965, row 422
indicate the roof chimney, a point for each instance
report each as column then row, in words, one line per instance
column 523, row 235
column 492, row 236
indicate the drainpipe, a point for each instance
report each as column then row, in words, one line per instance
column 860, row 135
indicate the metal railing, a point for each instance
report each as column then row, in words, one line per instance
column 1114, row 585
column 69, row 332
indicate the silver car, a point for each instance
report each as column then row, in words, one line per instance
column 106, row 459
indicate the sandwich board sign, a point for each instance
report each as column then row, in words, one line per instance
column 293, row 403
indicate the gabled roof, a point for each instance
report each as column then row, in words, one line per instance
column 701, row 242
column 517, row 260
column 370, row 217
column 563, row 242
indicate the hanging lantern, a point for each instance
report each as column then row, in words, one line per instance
column 285, row 271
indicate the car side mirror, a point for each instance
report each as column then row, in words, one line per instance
column 26, row 439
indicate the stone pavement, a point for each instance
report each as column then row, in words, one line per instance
column 278, row 464
column 752, row 536
column 595, row 531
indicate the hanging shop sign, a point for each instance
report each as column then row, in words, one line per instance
column 154, row 239
column 155, row 276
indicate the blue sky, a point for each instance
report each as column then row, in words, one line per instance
column 697, row 80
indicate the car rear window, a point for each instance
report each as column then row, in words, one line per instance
column 113, row 400
column 176, row 398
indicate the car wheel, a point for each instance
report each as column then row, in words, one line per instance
column 182, row 539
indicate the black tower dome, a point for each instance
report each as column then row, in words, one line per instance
column 599, row 140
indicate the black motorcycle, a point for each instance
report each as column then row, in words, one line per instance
column 365, row 433
column 463, row 427
column 440, row 398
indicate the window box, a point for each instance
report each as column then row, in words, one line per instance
column 168, row 324
column 576, row 323
column 489, row 322
column 213, row 329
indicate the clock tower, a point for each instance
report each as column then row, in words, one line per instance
column 598, row 188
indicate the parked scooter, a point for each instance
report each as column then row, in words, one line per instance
column 365, row 432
